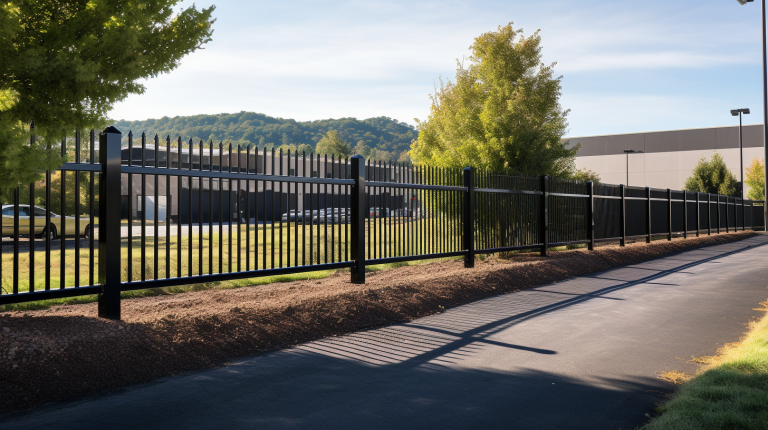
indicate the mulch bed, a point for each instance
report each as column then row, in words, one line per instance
column 67, row 351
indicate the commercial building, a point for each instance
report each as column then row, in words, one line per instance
column 186, row 198
column 665, row 159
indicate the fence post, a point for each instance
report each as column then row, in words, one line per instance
column 685, row 214
column 669, row 214
column 591, row 215
column 357, row 245
column 709, row 214
column 109, row 224
column 648, row 219
column 544, row 215
column 469, row 217
column 623, row 216
column 728, row 214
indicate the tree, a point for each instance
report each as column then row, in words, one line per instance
column 585, row 174
column 305, row 148
column 502, row 113
column 381, row 155
column 756, row 180
column 712, row 177
column 287, row 147
column 404, row 157
column 332, row 144
column 67, row 62
column 255, row 128
column 362, row 149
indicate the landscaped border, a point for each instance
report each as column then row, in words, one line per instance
column 66, row 351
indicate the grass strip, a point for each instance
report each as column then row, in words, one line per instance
column 731, row 391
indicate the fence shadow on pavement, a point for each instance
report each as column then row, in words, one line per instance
column 457, row 333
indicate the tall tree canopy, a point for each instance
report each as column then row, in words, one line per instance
column 755, row 180
column 712, row 177
column 66, row 62
column 502, row 113
column 332, row 144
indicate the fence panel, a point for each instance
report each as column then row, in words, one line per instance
column 568, row 211
column 636, row 212
column 231, row 212
column 607, row 211
column 690, row 215
column 507, row 212
column 758, row 216
column 49, row 229
column 412, row 212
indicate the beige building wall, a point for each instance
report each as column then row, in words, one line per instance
column 665, row 159
column 661, row 169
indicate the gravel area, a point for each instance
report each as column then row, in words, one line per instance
column 66, row 351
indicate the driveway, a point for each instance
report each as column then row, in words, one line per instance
column 580, row 354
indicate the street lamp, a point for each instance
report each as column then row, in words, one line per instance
column 628, row 151
column 738, row 113
column 765, row 106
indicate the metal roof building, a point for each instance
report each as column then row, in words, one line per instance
column 665, row 159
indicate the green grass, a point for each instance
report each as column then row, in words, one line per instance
column 730, row 393
column 316, row 247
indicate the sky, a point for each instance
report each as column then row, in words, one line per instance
column 626, row 66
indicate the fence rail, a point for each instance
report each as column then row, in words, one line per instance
column 140, row 213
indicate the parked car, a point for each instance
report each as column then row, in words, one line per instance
column 379, row 213
column 333, row 215
column 53, row 230
column 291, row 216
column 401, row 213
column 298, row 216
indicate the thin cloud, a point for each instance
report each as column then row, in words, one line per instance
column 308, row 60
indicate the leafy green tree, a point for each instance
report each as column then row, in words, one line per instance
column 305, row 149
column 69, row 204
column 66, row 62
column 404, row 157
column 502, row 114
column 712, row 177
column 362, row 149
column 756, row 180
column 332, row 144
column 287, row 147
column 585, row 174
column 381, row 155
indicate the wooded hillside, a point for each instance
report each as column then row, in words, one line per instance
column 385, row 138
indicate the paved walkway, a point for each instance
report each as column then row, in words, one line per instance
column 578, row 354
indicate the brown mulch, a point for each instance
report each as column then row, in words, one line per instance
column 66, row 351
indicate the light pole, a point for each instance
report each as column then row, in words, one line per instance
column 739, row 112
column 628, row 151
column 765, row 107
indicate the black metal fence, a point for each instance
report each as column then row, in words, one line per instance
column 168, row 213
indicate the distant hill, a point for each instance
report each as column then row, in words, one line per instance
column 388, row 138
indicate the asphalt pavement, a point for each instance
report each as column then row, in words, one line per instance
column 580, row 354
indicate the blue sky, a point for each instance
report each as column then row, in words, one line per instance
column 626, row 66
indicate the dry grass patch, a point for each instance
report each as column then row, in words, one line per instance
column 730, row 392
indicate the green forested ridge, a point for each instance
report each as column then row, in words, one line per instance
column 387, row 136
